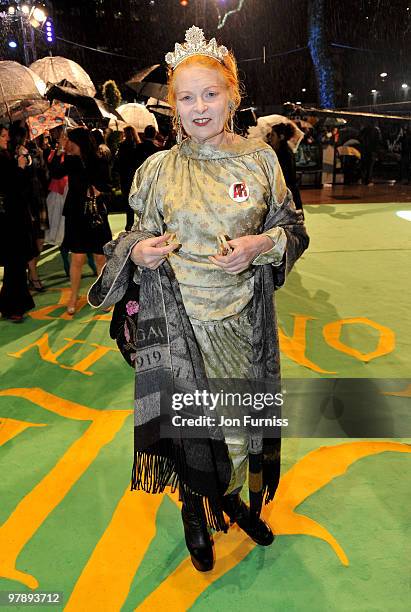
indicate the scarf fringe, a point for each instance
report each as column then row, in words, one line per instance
column 152, row 473
column 204, row 506
column 269, row 492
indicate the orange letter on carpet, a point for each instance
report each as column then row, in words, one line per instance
column 295, row 346
column 35, row 507
column 386, row 342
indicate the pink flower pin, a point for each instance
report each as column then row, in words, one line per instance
column 132, row 307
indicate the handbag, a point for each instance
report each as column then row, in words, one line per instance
column 123, row 326
column 91, row 210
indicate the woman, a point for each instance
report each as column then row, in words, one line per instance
column 88, row 176
column 17, row 238
column 278, row 139
column 201, row 314
column 39, row 181
column 102, row 150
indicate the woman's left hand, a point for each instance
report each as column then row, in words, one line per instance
column 245, row 250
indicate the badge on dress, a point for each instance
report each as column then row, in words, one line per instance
column 239, row 192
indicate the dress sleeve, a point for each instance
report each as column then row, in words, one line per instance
column 277, row 195
column 284, row 224
column 143, row 195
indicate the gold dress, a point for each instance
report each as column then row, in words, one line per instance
column 197, row 192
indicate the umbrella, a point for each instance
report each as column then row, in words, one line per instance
column 351, row 151
column 352, row 142
column 87, row 106
column 54, row 70
column 51, row 118
column 137, row 115
column 18, row 84
column 117, row 125
column 150, row 82
column 159, row 106
column 20, row 111
column 264, row 125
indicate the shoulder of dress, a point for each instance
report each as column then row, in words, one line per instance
column 152, row 163
column 267, row 153
column 258, row 144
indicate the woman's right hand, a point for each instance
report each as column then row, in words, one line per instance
column 152, row 252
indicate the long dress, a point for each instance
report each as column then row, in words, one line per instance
column 198, row 192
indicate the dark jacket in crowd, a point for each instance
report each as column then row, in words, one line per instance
column 17, row 234
column 17, row 241
column 370, row 138
column 288, row 166
column 126, row 163
column 129, row 157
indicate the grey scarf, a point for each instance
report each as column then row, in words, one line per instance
column 166, row 350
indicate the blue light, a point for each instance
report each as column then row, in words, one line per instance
column 49, row 30
column 12, row 44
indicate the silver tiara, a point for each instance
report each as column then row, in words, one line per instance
column 195, row 44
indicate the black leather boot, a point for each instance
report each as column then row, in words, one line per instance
column 239, row 513
column 198, row 540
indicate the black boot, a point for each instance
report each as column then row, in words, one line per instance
column 239, row 513
column 198, row 540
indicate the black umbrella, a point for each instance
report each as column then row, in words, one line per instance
column 88, row 107
column 150, row 82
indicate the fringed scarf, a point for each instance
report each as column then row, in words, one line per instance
column 164, row 349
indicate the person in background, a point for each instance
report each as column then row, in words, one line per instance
column 102, row 150
column 55, row 204
column 88, row 175
column 148, row 146
column 126, row 163
column 17, row 243
column 370, row 138
column 38, row 173
column 278, row 139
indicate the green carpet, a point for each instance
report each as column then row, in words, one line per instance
column 66, row 446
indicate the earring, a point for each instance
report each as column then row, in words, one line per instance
column 179, row 135
column 231, row 109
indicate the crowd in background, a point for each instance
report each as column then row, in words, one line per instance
column 56, row 190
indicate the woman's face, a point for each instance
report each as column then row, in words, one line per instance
column 72, row 148
column 202, row 103
column 4, row 138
